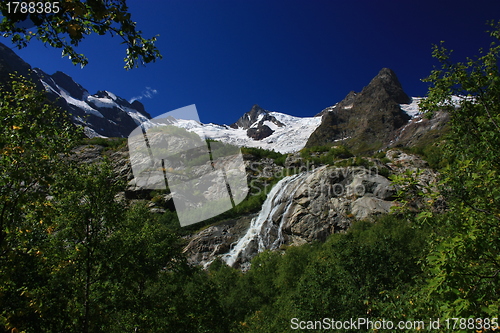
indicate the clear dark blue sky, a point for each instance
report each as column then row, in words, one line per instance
column 291, row 56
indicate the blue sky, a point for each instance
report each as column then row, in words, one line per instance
column 292, row 56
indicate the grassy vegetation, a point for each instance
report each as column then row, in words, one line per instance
column 260, row 153
column 433, row 154
column 325, row 154
column 109, row 143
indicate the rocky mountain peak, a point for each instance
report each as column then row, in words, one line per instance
column 104, row 94
column 365, row 121
column 249, row 118
column 140, row 108
column 256, row 109
column 257, row 122
column 387, row 81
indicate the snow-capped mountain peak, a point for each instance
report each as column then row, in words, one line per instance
column 286, row 133
column 102, row 114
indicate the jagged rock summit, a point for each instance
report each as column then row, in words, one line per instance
column 101, row 114
column 387, row 82
column 365, row 121
column 257, row 122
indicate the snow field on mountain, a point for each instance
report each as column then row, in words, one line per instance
column 286, row 139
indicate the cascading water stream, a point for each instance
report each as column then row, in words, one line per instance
column 261, row 225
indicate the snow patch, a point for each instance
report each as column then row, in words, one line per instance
column 412, row 109
column 102, row 102
column 271, row 125
column 71, row 100
column 90, row 133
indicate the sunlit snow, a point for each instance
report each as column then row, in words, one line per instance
column 286, row 139
column 412, row 109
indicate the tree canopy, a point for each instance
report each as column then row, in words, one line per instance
column 464, row 262
column 66, row 23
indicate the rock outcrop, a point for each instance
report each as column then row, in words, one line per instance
column 421, row 131
column 310, row 206
column 365, row 121
column 259, row 133
column 255, row 121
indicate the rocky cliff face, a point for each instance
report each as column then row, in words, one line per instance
column 365, row 121
column 306, row 207
column 301, row 208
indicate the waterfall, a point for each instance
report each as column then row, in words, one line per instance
column 259, row 236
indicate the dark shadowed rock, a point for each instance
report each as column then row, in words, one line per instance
column 387, row 80
column 65, row 81
column 254, row 122
column 249, row 118
column 365, row 121
column 140, row 107
column 259, row 133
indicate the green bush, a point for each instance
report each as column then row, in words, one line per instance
column 433, row 154
column 111, row 143
column 325, row 154
column 260, row 153
column 366, row 272
column 379, row 155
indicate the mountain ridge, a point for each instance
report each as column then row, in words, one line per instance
column 382, row 115
column 113, row 117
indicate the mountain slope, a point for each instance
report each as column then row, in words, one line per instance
column 365, row 121
column 10, row 63
column 101, row 114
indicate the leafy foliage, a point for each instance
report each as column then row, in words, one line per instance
column 66, row 26
column 72, row 257
column 110, row 143
column 30, row 146
column 358, row 274
column 463, row 265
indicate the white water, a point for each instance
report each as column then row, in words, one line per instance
column 261, row 225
